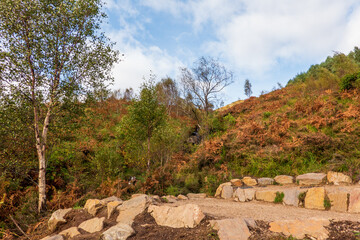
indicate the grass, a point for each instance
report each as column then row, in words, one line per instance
column 279, row 197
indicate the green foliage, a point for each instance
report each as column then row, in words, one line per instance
column 350, row 81
column 301, row 198
column 279, row 197
column 266, row 115
column 173, row 190
column 327, row 203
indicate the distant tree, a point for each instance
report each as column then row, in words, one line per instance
column 168, row 93
column 51, row 52
column 247, row 88
column 144, row 116
column 204, row 81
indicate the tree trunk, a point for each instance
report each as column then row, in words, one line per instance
column 148, row 154
column 42, row 182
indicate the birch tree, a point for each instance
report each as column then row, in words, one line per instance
column 52, row 50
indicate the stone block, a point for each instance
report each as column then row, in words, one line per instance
column 311, row 179
column 315, row 198
column 284, row 179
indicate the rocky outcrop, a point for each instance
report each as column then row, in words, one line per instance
column 231, row 229
column 57, row 218
column 120, row 231
column 311, row 178
column 300, row 228
column 129, row 209
column 188, row 215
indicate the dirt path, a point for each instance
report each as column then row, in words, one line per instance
column 221, row 208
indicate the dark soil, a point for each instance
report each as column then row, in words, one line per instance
column 146, row 228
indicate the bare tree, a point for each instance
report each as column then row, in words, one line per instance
column 204, row 81
column 247, row 88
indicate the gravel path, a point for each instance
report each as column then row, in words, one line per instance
column 221, row 208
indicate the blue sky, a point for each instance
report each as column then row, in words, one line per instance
column 265, row 41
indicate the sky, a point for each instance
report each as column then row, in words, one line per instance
column 265, row 41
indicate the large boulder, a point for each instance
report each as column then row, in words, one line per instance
column 93, row 206
column 188, row 216
column 120, row 231
column 338, row 178
column 70, row 232
column 248, row 181
column 231, row 229
column 93, row 225
column 129, row 209
column 227, row 192
column 57, row 218
column 111, row 206
column 265, row 181
column 299, row 228
column 338, row 199
column 354, row 201
column 284, row 179
column 220, row 188
column 315, row 198
column 311, row 178
column 265, row 195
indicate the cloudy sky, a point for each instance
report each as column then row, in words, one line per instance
column 265, row 41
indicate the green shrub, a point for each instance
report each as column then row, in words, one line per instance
column 327, row 203
column 266, row 115
column 279, row 197
column 350, row 81
column 173, row 190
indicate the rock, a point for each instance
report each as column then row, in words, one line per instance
column 188, row 216
column 338, row 199
column 265, row 181
column 92, row 206
column 248, row 181
column 299, row 228
column 249, row 194
column 155, row 198
column 236, row 182
column 239, row 194
column 196, row 195
column 170, row 199
column 311, row 178
column 105, row 201
column 265, row 195
column 70, row 232
column 231, row 229
column 120, row 231
column 57, row 218
column 250, row 222
column 137, row 195
column 93, row 225
column 291, row 196
column 182, row 197
column 131, row 208
column 338, row 178
column 284, row 179
column 315, row 198
column 219, row 189
column 111, row 206
column 354, row 201
column 227, row 192
column 55, row 237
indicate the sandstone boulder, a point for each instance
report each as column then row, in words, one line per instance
column 129, row 209
column 196, row 195
column 248, row 181
column 111, row 206
column 236, row 182
column 284, row 179
column 315, row 198
column 311, row 178
column 93, row 225
column 182, row 197
column 265, row 195
column 300, row 228
column 239, row 195
column 354, row 201
column 55, row 237
column 219, row 189
column 188, row 216
column 291, row 196
column 338, row 178
column 265, row 181
column 231, row 229
column 57, row 218
column 120, row 231
column 70, row 232
column 227, row 192
column 338, row 199
column 92, row 206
